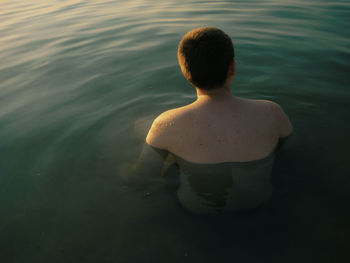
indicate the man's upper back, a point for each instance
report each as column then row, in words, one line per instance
column 209, row 131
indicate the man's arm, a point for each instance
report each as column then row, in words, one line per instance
column 284, row 123
column 148, row 166
column 280, row 122
column 285, row 166
column 151, row 160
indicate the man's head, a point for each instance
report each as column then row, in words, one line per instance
column 205, row 56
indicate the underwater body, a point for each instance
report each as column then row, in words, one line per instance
column 76, row 75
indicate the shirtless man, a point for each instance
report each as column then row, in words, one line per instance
column 217, row 128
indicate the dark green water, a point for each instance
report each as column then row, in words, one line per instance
column 75, row 75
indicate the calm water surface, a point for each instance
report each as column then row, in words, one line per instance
column 75, row 75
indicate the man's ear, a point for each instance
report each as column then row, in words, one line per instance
column 233, row 67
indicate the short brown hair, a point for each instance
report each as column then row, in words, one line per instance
column 205, row 55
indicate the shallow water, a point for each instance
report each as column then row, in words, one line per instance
column 75, row 75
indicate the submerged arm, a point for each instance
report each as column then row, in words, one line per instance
column 152, row 159
column 148, row 166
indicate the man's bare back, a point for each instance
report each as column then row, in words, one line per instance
column 220, row 128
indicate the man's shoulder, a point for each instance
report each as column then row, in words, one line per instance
column 265, row 105
column 263, row 108
column 271, row 113
column 165, row 125
column 277, row 115
column 166, row 118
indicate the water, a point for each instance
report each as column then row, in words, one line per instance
column 75, row 75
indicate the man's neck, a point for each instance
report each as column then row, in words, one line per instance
column 217, row 93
